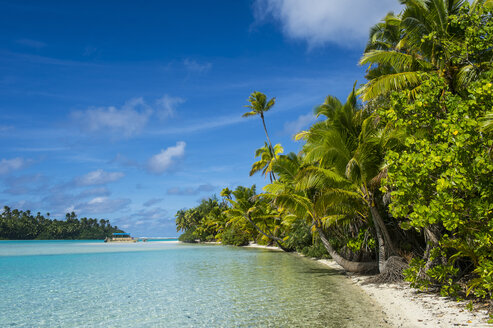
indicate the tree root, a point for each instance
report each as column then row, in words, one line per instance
column 392, row 271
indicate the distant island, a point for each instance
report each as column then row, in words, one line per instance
column 23, row 225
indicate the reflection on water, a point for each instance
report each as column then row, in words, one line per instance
column 174, row 285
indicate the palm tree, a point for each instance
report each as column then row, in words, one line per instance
column 349, row 146
column 267, row 158
column 226, row 193
column 259, row 105
column 212, row 219
column 403, row 49
column 322, row 205
column 247, row 207
column 186, row 219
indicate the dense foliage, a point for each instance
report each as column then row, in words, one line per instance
column 398, row 182
column 442, row 183
column 22, row 225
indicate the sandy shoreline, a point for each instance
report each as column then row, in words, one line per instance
column 406, row 307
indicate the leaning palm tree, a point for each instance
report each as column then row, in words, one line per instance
column 322, row 205
column 350, row 145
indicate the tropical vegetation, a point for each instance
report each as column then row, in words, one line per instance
column 398, row 178
column 23, row 225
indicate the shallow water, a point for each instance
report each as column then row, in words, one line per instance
column 88, row 284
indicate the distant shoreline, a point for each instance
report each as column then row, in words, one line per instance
column 153, row 239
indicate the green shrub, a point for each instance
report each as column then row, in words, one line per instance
column 316, row 250
column 234, row 237
column 187, row 237
column 299, row 236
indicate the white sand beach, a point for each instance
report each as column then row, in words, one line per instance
column 408, row 308
column 272, row 248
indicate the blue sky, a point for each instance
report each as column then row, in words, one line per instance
column 129, row 110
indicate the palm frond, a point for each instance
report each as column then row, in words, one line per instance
column 387, row 83
column 399, row 61
column 466, row 75
column 331, row 220
column 330, row 105
column 300, row 135
column 247, row 114
column 319, row 178
column 487, row 123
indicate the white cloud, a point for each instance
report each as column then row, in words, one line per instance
column 25, row 205
column 13, row 164
column 196, row 67
column 127, row 121
column 167, row 106
column 159, row 163
column 70, row 209
column 101, row 205
column 151, row 219
column 97, row 191
column 25, row 184
column 60, row 199
column 190, row 190
column 98, row 177
column 301, row 122
column 212, row 123
column 319, row 22
column 156, row 213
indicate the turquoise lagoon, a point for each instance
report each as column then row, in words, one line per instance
column 163, row 284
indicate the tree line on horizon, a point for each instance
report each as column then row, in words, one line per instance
column 23, row 225
column 398, row 178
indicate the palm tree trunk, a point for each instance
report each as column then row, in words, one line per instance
column 270, row 144
column 276, row 239
column 382, row 256
column 432, row 238
column 266, row 134
column 385, row 245
column 282, row 247
column 349, row 266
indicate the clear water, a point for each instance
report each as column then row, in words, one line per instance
column 92, row 284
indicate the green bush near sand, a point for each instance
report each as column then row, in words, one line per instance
column 235, row 238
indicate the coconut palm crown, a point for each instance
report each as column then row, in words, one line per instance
column 402, row 49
